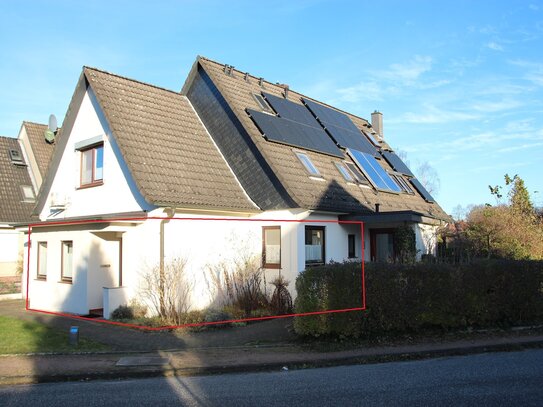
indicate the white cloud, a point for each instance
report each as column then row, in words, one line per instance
column 494, row 46
column 491, row 107
column 407, row 72
column 430, row 114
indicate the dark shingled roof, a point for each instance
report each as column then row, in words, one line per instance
column 41, row 148
column 168, row 151
column 332, row 195
column 13, row 209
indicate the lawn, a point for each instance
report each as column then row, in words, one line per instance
column 18, row 336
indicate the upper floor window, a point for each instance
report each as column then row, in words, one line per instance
column 92, row 165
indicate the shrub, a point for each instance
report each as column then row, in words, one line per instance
column 407, row 298
column 281, row 300
column 132, row 311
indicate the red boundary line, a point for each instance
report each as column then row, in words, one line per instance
column 142, row 327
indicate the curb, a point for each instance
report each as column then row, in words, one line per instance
column 148, row 372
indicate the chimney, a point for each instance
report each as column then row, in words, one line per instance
column 285, row 89
column 377, row 123
column 260, row 81
column 246, row 76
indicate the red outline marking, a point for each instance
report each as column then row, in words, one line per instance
column 142, row 327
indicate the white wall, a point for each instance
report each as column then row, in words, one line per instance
column 118, row 193
column 426, row 236
column 10, row 250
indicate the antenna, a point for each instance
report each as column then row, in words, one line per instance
column 53, row 125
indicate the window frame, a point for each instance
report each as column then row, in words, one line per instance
column 41, row 276
column 345, row 172
column 63, row 278
column 94, row 181
column 359, row 177
column 351, row 246
column 308, row 164
column 265, row 264
column 323, row 247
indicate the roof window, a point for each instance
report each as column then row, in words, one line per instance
column 28, row 193
column 344, row 172
column 308, row 164
column 16, row 157
column 262, row 103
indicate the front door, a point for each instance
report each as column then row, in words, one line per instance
column 382, row 245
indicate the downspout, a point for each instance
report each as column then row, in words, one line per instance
column 169, row 213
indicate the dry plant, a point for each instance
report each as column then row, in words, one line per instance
column 167, row 291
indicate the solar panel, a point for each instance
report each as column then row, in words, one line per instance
column 425, row 194
column 348, row 139
column 341, row 128
column 295, row 134
column 396, row 163
column 292, row 111
column 330, row 116
column 373, row 171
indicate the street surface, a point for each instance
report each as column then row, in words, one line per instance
column 494, row 379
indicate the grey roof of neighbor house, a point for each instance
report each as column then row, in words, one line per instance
column 41, row 148
column 334, row 194
column 168, row 151
column 13, row 208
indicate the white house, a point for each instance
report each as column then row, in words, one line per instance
column 230, row 165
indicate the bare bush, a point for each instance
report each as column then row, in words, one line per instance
column 168, row 291
column 238, row 283
column 281, row 301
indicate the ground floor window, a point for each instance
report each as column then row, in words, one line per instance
column 271, row 247
column 382, row 245
column 351, row 246
column 314, row 245
column 42, row 260
column 67, row 255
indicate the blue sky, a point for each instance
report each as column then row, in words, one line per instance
column 460, row 83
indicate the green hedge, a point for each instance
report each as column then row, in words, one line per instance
column 408, row 298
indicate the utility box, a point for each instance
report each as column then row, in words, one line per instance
column 74, row 336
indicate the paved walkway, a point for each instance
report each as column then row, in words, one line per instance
column 262, row 346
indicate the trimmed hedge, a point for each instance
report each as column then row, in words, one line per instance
column 407, row 298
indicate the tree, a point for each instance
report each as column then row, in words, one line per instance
column 428, row 177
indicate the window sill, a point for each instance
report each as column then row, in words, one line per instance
column 40, row 279
column 271, row 266
column 314, row 264
column 65, row 282
column 94, row 184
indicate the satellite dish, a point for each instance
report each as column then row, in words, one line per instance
column 53, row 125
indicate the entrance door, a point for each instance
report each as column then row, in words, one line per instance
column 382, row 245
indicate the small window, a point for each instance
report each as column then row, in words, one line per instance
column 360, row 178
column 314, row 245
column 42, row 260
column 92, row 166
column 67, row 255
column 345, row 172
column 351, row 244
column 28, row 193
column 16, row 157
column 402, row 183
column 308, row 164
column 372, row 137
column 262, row 103
column 271, row 247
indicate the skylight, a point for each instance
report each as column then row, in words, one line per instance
column 344, row 172
column 16, row 157
column 373, row 171
column 28, row 193
column 308, row 164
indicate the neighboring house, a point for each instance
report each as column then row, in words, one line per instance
column 229, row 146
column 23, row 164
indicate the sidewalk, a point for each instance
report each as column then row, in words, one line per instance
column 197, row 361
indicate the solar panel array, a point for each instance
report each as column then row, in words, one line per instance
column 341, row 128
column 425, row 194
column 285, row 131
column 373, row 171
column 292, row 111
column 396, row 163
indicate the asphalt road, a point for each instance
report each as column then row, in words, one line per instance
column 495, row 379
